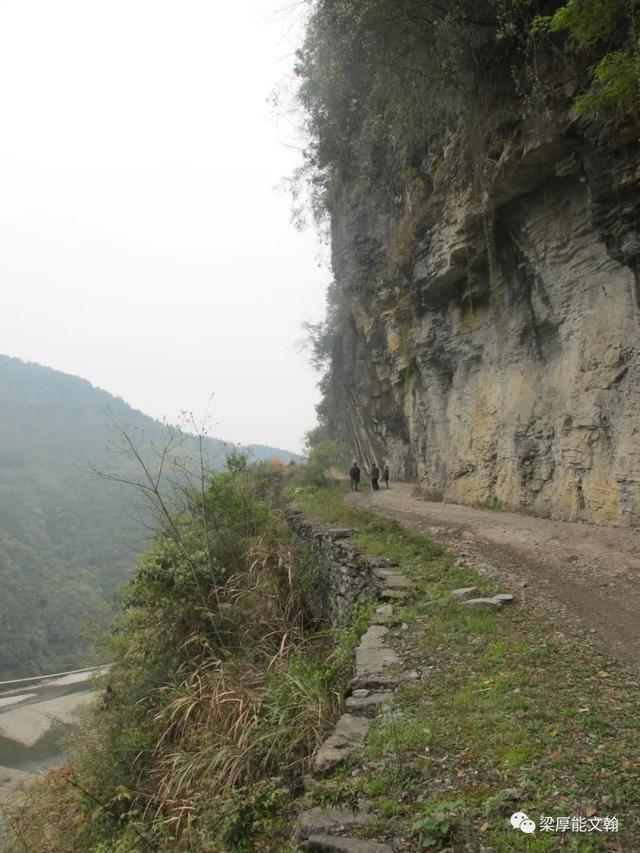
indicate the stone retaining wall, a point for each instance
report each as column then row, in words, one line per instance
column 347, row 576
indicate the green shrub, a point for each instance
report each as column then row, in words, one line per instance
column 616, row 84
column 436, row 825
column 321, row 458
column 606, row 31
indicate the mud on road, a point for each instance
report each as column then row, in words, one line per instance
column 586, row 576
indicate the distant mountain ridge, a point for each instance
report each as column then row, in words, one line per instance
column 67, row 539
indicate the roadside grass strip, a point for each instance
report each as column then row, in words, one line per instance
column 511, row 714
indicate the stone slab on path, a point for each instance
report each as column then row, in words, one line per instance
column 483, row 603
column 376, row 681
column 373, row 659
column 387, row 594
column 383, row 615
column 495, row 602
column 365, row 706
column 346, row 740
column 329, row 844
column 374, row 634
column 339, row 533
column 392, row 579
column 465, row 590
column 380, row 562
column 324, row 821
column 373, row 654
column 380, row 620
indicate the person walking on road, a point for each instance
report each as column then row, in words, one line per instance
column 354, row 477
column 375, row 476
column 385, row 475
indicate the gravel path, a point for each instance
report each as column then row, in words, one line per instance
column 584, row 574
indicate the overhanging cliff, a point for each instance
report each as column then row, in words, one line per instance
column 484, row 337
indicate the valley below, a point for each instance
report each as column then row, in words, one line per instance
column 35, row 715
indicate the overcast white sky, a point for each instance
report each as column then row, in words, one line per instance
column 143, row 243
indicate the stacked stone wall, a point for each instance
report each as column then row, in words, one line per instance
column 346, row 575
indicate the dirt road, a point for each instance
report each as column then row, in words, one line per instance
column 583, row 574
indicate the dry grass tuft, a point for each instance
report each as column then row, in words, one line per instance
column 240, row 716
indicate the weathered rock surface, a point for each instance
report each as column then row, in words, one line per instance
column 489, row 346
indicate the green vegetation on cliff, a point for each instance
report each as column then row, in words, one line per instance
column 608, row 33
column 67, row 538
column 383, row 78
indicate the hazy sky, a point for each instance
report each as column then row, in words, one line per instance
column 143, row 243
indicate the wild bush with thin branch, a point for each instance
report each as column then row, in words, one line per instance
column 221, row 681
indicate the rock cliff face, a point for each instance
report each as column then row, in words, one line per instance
column 489, row 342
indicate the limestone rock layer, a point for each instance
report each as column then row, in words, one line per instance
column 489, row 339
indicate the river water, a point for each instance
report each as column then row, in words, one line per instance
column 35, row 716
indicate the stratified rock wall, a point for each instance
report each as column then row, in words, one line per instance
column 490, row 340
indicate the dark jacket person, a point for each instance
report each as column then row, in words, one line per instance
column 354, row 476
column 375, row 476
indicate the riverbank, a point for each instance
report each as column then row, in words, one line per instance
column 12, row 782
column 35, row 715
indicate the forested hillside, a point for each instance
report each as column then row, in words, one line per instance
column 67, row 538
